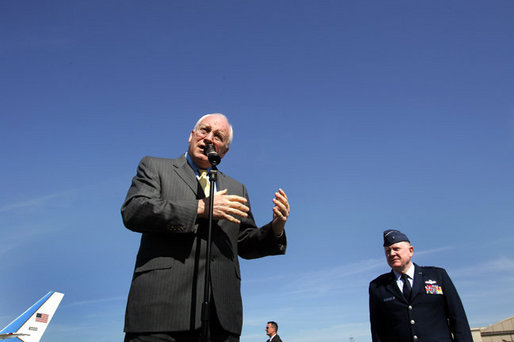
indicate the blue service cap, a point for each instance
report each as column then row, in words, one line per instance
column 392, row 236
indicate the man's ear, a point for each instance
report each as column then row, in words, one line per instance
column 226, row 150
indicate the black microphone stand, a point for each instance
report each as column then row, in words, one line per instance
column 213, row 175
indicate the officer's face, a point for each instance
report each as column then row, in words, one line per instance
column 399, row 256
column 213, row 129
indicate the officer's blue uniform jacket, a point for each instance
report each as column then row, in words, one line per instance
column 433, row 314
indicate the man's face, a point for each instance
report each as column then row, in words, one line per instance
column 270, row 331
column 213, row 129
column 399, row 256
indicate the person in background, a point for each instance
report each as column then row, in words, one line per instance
column 271, row 331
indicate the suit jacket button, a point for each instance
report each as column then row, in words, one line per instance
column 412, row 322
column 415, row 338
column 410, row 307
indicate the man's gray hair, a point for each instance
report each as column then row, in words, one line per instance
column 231, row 131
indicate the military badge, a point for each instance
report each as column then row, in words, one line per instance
column 433, row 289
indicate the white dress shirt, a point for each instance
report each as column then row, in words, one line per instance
column 409, row 273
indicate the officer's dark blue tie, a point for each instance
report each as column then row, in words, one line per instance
column 407, row 289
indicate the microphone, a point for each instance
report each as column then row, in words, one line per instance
column 212, row 155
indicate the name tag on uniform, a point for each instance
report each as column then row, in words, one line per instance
column 388, row 299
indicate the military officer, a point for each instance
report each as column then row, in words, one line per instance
column 414, row 303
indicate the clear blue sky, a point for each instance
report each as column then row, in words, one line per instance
column 370, row 114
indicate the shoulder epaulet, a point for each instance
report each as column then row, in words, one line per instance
column 431, row 267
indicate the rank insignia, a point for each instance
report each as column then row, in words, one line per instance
column 433, row 289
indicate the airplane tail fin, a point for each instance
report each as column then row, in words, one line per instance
column 30, row 325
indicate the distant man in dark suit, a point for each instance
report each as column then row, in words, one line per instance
column 167, row 203
column 413, row 303
column 271, row 331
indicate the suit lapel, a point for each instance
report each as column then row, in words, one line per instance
column 393, row 287
column 220, row 184
column 185, row 172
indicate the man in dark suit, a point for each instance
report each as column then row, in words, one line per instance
column 414, row 303
column 271, row 331
column 167, row 203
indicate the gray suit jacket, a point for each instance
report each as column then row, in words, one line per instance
column 168, row 282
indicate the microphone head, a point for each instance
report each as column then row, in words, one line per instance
column 210, row 151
